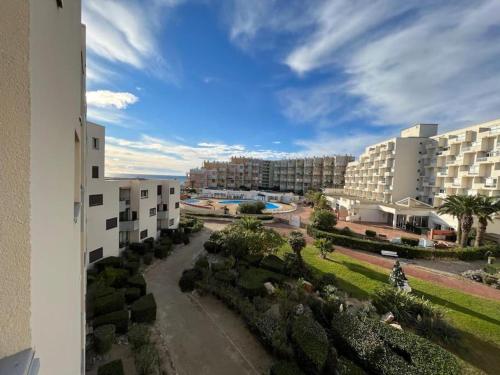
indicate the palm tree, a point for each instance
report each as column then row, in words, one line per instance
column 249, row 223
column 486, row 207
column 462, row 207
column 453, row 207
column 297, row 243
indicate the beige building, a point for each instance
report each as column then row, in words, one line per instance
column 42, row 144
column 297, row 175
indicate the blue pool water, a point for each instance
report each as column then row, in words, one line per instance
column 269, row 205
column 191, row 200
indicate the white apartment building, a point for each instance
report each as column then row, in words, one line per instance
column 42, row 144
column 122, row 211
column 402, row 180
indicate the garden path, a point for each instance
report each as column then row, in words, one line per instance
column 200, row 334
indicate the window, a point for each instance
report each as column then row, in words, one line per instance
column 144, row 194
column 171, row 222
column 158, row 190
column 59, row 3
column 95, row 171
column 95, row 200
column 176, row 204
column 111, row 223
column 152, row 211
column 95, row 255
column 95, row 143
column 144, row 234
column 172, row 190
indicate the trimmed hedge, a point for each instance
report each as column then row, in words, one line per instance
column 468, row 253
column 285, row 368
column 225, row 276
column 109, row 303
column 409, row 241
column 138, row 335
column 144, row 309
column 137, row 281
column 104, row 337
column 147, row 258
column 132, row 294
column 115, row 262
column 114, row 277
column 273, row 263
column 132, row 267
column 382, row 349
column 161, row 251
column 188, row 279
column 111, row 368
column 370, row 233
column 102, row 291
column 118, row 318
column 139, row 247
column 251, row 281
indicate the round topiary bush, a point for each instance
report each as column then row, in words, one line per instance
column 104, row 337
column 144, row 309
column 109, row 303
column 188, row 279
column 137, row 281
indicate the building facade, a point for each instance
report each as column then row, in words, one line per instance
column 403, row 180
column 122, row 211
column 297, row 175
column 42, row 153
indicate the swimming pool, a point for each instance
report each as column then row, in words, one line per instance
column 191, row 200
column 269, row 205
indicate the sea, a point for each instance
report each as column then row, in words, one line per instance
column 181, row 179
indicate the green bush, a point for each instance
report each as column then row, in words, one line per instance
column 273, row 263
column 403, row 250
column 226, row 276
column 109, row 303
column 137, row 281
column 324, row 220
column 285, row 368
column 379, row 348
column 132, row 267
column 149, row 242
column 147, row 258
column 346, row 231
column 118, row 318
column 251, row 207
column 253, row 259
column 263, row 217
column 202, row 264
column 370, row 233
column 252, row 281
column 104, row 337
column 132, row 294
column 144, row 309
column 139, row 247
column 102, row 264
column 101, row 291
column 188, row 279
column 185, row 239
column 114, row 277
column 310, row 344
column 409, row 241
column 147, row 360
column 111, row 368
column 161, row 251
column 139, row 335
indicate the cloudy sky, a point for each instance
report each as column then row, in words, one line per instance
column 176, row 82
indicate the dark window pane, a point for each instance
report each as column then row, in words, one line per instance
column 95, row 255
column 144, row 234
column 95, row 171
column 111, row 223
column 152, row 211
column 144, row 193
column 95, row 200
column 176, row 204
column 172, row 190
column 158, row 190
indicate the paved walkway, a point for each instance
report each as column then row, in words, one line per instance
column 201, row 336
column 387, row 230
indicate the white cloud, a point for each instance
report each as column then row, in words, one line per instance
column 277, row 142
column 107, row 99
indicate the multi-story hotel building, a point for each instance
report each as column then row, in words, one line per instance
column 121, row 211
column 42, row 220
column 298, row 175
column 404, row 179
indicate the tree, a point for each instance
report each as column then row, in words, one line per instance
column 463, row 208
column 452, row 206
column 484, row 210
column 297, row 243
column 324, row 220
column 397, row 278
column 324, row 246
column 249, row 223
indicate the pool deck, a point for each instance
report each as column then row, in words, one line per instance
column 217, row 205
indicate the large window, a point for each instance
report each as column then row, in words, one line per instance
column 95, row 200
column 95, row 171
column 111, row 223
column 95, row 255
column 172, row 190
column 144, row 194
column 144, row 234
column 152, row 211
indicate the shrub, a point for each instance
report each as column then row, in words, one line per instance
column 202, row 264
column 310, row 344
column 225, row 276
column 273, row 263
column 346, row 231
column 212, row 247
column 252, row 281
column 139, row 335
column 188, row 279
column 137, row 281
column 251, row 207
column 101, row 291
column 324, row 220
column 409, row 241
column 132, row 294
column 111, row 368
column 285, row 368
column 326, row 279
column 114, row 277
column 109, row 303
column 102, row 264
column 132, row 267
column 185, row 239
column 161, row 251
column 147, row 360
column 118, row 318
column 370, row 233
column 144, row 309
column 149, row 243
column 253, row 259
column 139, row 247
column 147, row 258
column 104, row 337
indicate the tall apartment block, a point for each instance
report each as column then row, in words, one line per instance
column 404, row 179
column 42, row 220
column 121, row 211
column 298, row 175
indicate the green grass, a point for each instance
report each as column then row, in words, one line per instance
column 477, row 318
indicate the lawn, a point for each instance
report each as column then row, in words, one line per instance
column 477, row 318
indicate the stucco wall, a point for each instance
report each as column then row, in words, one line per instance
column 15, row 176
column 405, row 168
column 56, row 259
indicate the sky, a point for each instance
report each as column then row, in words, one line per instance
column 177, row 82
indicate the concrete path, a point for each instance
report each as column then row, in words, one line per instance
column 200, row 334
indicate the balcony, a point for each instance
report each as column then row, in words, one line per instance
column 129, row 225
column 162, row 215
column 124, row 204
column 490, row 182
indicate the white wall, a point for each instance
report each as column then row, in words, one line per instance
column 405, row 168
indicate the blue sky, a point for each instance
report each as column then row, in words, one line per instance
column 176, row 82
